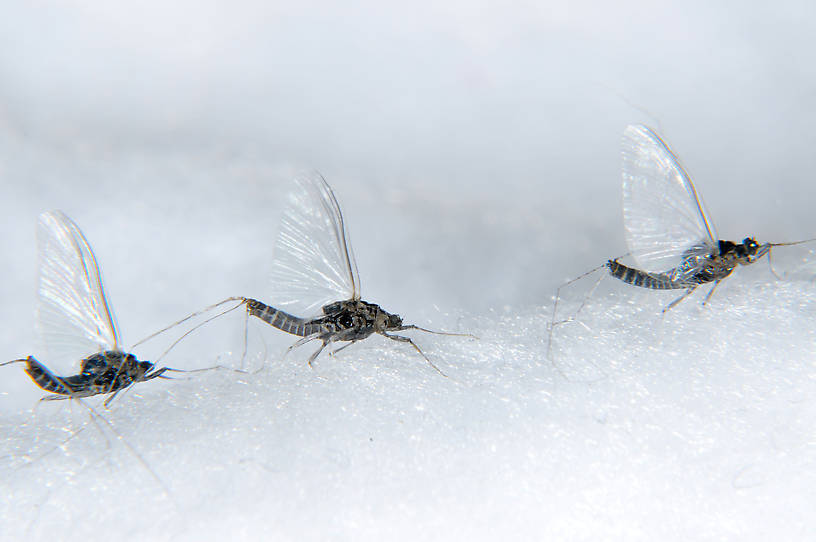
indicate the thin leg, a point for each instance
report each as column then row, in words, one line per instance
column 333, row 352
column 110, row 399
column 317, row 352
column 771, row 267
column 158, row 372
column 55, row 397
column 711, row 291
column 408, row 340
column 678, row 300
column 301, row 342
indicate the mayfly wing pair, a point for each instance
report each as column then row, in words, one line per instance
column 668, row 231
column 76, row 321
column 315, row 273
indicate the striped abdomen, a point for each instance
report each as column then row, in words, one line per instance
column 282, row 320
column 636, row 277
column 45, row 378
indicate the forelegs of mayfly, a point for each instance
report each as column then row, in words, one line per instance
column 771, row 267
column 681, row 298
column 410, row 341
column 412, row 326
column 202, row 370
column 158, row 372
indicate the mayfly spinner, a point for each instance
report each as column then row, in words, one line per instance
column 75, row 318
column 668, row 231
column 314, row 266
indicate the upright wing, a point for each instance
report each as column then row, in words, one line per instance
column 314, row 262
column 663, row 215
column 74, row 317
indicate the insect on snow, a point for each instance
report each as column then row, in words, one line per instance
column 74, row 317
column 314, row 266
column 668, row 231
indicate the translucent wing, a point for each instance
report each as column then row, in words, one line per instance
column 314, row 263
column 664, row 218
column 74, row 317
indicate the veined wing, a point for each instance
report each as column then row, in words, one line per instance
column 74, row 317
column 663, row 215
column 314, row 263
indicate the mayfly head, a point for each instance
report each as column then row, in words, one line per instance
column 393, row 321
column 386, row 320
column 142, row 368
column 750, row 246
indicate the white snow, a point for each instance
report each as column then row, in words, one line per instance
column 475, row 152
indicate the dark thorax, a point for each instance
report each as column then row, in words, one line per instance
column 356, row 319
column 718, row 266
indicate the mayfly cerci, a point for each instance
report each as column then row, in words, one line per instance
column 314, row 270
column 75, row 319
column 668, row 231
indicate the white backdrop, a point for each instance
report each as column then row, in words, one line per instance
column 474, row 148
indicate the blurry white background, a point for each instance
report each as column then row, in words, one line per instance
column 474, row 147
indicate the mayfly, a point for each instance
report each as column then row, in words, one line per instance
column 75, row 319
column 668, row 231
column 314, row 270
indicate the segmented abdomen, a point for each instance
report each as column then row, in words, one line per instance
column 45, row 378
column 636, row 277
column 282, row 320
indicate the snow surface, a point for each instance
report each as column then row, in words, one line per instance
column 475, row 151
